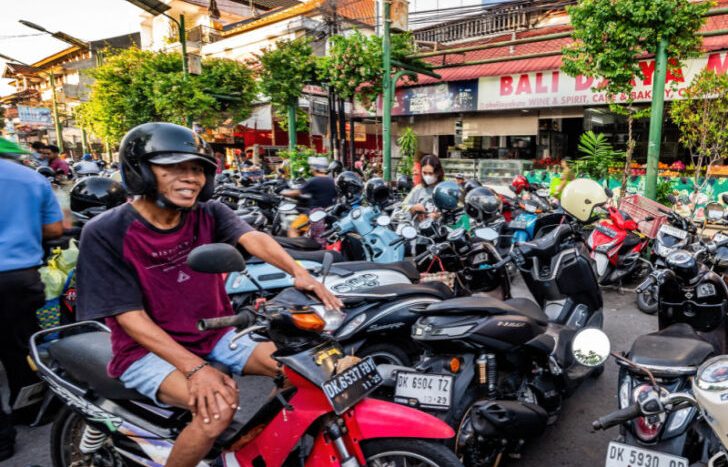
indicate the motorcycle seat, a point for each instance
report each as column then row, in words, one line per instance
column 85, row 357
column 407, row 268
column 546, row 246
column 677, row 345
column 298, row 243
column 483, row 304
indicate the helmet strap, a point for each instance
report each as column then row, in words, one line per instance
column 164, row 203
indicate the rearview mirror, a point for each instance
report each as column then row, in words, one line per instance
column 216, row 258
column 724, row 197
column 672, row 199
column 408, row 232
column 714, row 211
column 286, row 207
column 609, row 192
column 317, row 216
column 384, row 221
column 591, row 347
column 486, row 233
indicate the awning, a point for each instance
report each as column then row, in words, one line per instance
column 493, row 69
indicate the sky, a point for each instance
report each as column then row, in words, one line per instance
column 85, row 19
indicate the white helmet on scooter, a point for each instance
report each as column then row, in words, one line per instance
column 581, row 196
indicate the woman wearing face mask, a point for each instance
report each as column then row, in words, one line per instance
column 421, row 195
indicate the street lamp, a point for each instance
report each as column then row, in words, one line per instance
column 156, row 8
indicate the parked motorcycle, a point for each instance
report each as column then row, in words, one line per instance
column 617, row 247
column 691, row 313
column 322, row 417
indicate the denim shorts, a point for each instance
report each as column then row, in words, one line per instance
column 146, row 374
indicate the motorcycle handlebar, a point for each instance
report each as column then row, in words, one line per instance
column 244, row 319
column 617, row 418
column 328, row 233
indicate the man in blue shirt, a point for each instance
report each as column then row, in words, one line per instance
column 29, row 213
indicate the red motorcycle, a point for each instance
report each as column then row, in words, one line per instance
column 320, row 414
column 617, row 247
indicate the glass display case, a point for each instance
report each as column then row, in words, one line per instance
column 501, row 172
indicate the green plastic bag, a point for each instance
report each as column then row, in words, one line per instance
column 53, row 278
column 68, row 258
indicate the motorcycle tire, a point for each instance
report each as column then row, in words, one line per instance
column 647, row 302
column 379, row 452
column 385, row 353
column 456, row 418
column 66, row 434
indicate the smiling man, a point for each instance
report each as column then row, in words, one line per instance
column 133, row 272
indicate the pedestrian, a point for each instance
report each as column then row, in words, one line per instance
column 320, row 190
column 54, row 160
column 32, row 216
column 37, row 153
column 220, row 161
column 419, row 201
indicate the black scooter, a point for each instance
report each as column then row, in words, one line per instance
column 497, row 371
column 692, row 306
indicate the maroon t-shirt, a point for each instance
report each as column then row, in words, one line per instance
column 126, row 264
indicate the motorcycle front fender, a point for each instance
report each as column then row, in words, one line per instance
column 373, row 418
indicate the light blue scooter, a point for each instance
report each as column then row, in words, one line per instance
column 371, row 227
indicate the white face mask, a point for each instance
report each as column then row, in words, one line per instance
column 429, row 179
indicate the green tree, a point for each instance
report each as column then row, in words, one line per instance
column 702, row 118
column 599, row 156
column 135, row 86
column 284, row 71
column 407, row 143
column 611, row 36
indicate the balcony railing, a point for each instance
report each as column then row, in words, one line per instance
column 496, row 21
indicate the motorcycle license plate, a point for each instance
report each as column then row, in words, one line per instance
column 624, row 455
column 425, row 391
column 673, row 231
column 352, row 385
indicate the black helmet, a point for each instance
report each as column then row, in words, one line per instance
column 471, row 184
column 335, row 167
column 482, row 204
column 446, row 195
column 377, row 191
column 349, row 184
column 684, row 265
column 46, row 171
column 404, row 184
column 93, row 195
column 162, row 143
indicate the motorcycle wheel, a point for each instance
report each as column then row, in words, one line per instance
column 458, row 417
column 647, row 301
column 410, row 452
column 66, row 435
column 385, row 353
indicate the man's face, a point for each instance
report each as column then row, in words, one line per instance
column 180, row 183
column 45, row 153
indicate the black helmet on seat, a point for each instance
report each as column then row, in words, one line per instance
column 404, row 184
column 163, row 144
column 446, row 195
column 93, row 195
column 349, row 185
column 377, row 191
column 471, row 184
column 684, row 265
column 46, row 171
column 483, row 204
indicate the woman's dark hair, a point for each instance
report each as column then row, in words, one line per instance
column 434, row 162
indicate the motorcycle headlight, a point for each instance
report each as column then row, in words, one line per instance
column 351, row 327
column 624, row 392
column 332, row 318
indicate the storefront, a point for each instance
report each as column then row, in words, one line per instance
column 497, row 126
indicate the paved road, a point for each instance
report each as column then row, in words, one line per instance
column 567, row 443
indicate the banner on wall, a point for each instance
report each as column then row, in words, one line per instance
column 34, row 115
column 555, row 88
column 456, row 96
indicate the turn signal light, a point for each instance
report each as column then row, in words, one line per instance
column 455, row 364
column 308, row 321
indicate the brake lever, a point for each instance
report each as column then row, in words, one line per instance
column 239, row 335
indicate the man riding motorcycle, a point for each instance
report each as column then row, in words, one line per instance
column 132, row 271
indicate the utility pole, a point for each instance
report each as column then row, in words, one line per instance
column 656, row 117
column 387, row 93
column 56, row 120
column 292, row 126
